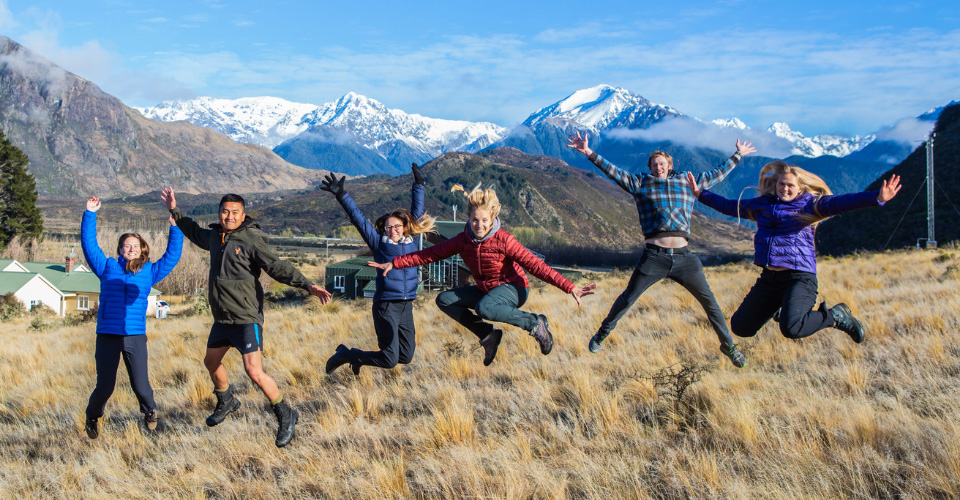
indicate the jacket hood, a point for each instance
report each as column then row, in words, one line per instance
column 493, row 231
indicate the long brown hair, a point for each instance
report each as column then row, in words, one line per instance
column 134, row 266
column 411, row 225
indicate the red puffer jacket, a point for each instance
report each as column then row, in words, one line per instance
column 496, row 260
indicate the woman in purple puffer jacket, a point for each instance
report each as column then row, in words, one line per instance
column 792, row 202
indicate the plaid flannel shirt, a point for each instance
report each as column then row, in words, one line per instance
column 664, row 205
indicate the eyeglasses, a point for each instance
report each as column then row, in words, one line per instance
column 395, row 227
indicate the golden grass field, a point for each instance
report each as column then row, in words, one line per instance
column 820, row 418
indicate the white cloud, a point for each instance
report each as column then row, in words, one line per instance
column 908, row 130
column 695, row 134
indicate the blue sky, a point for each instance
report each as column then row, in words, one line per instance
column 825, row 67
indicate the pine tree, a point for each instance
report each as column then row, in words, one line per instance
column 19, row 213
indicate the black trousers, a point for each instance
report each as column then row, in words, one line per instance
column 681, row 266
column 794, row 293
column 133, row 350
column 396, row 335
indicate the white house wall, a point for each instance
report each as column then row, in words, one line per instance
column 39, row 289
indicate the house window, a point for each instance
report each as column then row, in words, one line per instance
column 339, row 282
column 83, row 302
column 35, row 303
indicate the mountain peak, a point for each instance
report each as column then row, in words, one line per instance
column 602, row 107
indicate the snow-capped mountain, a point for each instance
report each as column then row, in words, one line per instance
column 267, row 121
column 820, row 145
column 374, row 125
column 602, row 107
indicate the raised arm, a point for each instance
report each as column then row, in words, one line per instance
column 335, row 186
column 437, row 252
column 199, row 236
column 171, row 256
column 88, row 238
column 707, row 179
column 417, row 192
column 629, row 182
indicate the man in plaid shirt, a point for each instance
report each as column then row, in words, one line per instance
column 664, row 203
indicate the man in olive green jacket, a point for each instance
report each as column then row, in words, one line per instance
column 238, row 252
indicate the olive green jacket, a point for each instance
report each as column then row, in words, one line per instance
column 236, row 259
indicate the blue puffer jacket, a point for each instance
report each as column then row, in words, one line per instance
column 123, row 296
column 400, row 284
column 782, row 239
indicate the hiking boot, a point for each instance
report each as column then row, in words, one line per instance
column 736, row 357
column 596, row 342
column 150, row 420
column 843, row 320
column 92, row 427
column 339, row 358
column 776, row 316
column 287, row 418
column 226, row 404
column 541, row 332
column 490, row 345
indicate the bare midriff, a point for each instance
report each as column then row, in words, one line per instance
column 667, row 241
column 776, row 268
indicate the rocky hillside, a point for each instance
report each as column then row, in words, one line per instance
column 82, row 141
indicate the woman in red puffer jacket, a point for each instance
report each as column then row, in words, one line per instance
column 497, row 261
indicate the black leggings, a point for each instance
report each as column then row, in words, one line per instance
column 110, row 348
column 794, row 293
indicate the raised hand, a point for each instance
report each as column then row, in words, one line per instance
column 330, row 183
column 320, row 293
column 579, row 143
column 745, row 148
column 418, row 175
column 385, row 267
column 692, row 183
column 579, row 291
column 167, row 196
column 93, row 204
column 889, row 189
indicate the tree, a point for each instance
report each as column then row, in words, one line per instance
column 19, row 213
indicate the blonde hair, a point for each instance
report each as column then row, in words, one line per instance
column 480, row 198
column 808, row 182
column 411, row 225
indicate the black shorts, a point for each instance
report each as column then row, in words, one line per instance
column 246, row 338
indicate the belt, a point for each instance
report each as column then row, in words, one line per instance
column 668, row 251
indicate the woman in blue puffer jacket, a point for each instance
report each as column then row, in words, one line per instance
column 392, row 235
column 125, row 283
column 792, row 202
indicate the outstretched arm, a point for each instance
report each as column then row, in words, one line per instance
column 88, row 238
column 629, row 182
column 437, row 252
column 733, row 208
column 171, row 256
column 709, row 178
column 284, row 272
column 828, row 206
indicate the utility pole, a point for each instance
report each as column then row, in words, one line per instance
column 931, row 236
column 455, row 213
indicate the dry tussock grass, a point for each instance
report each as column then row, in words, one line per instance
column 817, row 418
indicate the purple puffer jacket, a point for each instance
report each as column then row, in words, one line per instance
column 782, row 239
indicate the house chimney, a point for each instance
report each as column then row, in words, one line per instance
column 71, row 260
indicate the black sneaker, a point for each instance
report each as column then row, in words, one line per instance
column 541, row 332
column 92, row 427
column 596, row 342
column 490, row 345
column 339, row 358
column 287, row 419
column 226, row 404
column 355, row 367
column 736, row 357
column 843, row 320
column 776, row 316
column 150, row 420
